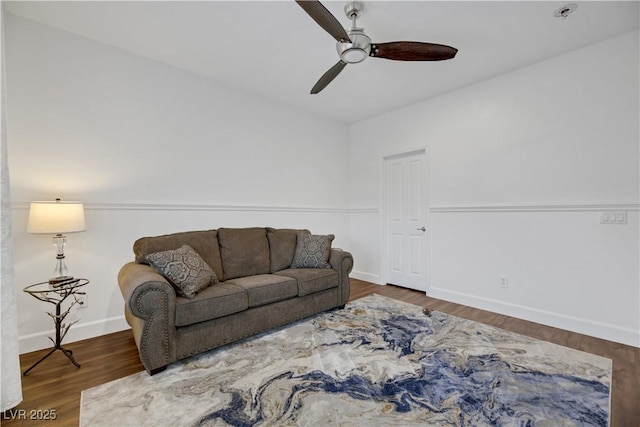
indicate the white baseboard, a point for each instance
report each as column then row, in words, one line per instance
column 79, row 331
column 367, row 277
column 574, row 324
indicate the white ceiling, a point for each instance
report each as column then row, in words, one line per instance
column 275, row 50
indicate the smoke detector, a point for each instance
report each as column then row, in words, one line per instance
column 566, row 10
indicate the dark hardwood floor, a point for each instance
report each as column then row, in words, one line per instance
column 53, row 388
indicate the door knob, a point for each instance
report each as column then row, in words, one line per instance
column 421, row 229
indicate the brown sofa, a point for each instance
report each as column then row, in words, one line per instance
column 257, row 290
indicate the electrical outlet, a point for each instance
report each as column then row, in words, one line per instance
column 83, row 300
column 504, row 282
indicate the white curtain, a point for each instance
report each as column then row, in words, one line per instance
column 9, row 358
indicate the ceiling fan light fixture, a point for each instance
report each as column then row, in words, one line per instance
column 353, row 55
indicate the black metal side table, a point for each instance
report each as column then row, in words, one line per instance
column 56, row 294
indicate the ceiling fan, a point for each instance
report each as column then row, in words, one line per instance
column 355, row 46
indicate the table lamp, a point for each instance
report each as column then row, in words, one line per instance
column 57, row 218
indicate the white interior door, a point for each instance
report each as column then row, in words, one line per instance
column 406, row 233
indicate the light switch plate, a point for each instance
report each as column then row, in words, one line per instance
column 611, row 217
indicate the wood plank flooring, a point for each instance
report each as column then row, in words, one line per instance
column 53, row 387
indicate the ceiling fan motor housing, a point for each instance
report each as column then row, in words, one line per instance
column 356, row 51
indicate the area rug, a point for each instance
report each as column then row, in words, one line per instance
column 378, row 362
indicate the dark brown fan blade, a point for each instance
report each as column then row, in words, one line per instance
column 413, row 51
column 325, row 19
column 328, row 77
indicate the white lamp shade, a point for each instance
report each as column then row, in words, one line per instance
column 56, row 217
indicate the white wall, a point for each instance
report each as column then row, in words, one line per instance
column 522, row 166
column 150, row 149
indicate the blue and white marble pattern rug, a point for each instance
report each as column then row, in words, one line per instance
column 378, row 362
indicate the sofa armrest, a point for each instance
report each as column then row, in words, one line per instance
column 151, row 302
column 342, row 262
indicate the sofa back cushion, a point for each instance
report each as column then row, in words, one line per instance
column 282, row 245
column 205, row 243
column 244, row 251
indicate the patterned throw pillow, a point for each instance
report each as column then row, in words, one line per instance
column 312, row 251
column 185, row 269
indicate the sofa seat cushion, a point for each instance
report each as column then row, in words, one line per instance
column 267, row 288
column 215, row 301
column 311, row 280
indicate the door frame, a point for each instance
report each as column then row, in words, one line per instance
column 383, row 252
